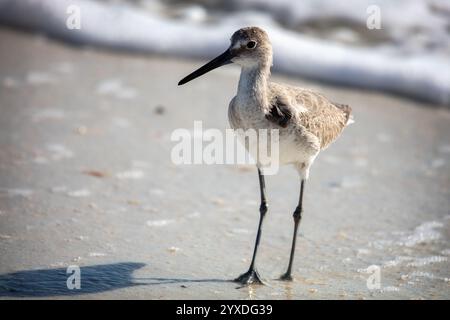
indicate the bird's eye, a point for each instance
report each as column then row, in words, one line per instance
column 251, row 44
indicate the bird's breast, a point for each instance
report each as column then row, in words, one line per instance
column 247, row 115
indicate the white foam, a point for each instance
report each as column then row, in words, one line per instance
column 428, row 275
column 404, row 66
column 97, row 254
column 424, row 233
column 420, row 262
column 396, row 262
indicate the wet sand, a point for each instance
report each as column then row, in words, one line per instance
column 86, row 179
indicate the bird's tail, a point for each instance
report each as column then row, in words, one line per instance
column 347, row 111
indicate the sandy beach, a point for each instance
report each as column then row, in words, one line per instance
column 86, row 179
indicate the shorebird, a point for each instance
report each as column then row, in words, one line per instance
column 307, row 121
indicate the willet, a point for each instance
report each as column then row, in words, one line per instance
column 307, row 121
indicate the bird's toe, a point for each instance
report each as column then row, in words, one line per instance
column 250, row 277
column 286, row 277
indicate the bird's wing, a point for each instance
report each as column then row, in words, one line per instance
column 324, row 119
column 280, row 112
column 318, row 115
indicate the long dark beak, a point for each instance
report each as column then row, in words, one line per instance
column 223, row 59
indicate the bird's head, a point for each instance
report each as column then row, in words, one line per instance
column 250, row 47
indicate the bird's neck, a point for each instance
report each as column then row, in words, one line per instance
column 253, row 85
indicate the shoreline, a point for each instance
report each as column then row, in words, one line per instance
column 87, row 180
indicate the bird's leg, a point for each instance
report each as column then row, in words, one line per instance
column 297, row 217
column 252, row 275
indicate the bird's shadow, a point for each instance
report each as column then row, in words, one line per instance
column 93, row 279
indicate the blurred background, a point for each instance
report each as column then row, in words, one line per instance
column 88, row 102
column 400, row 46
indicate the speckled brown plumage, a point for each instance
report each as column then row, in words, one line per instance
column 316, row 113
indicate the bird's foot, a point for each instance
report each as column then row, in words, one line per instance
column 250, row 277
column 286, row 277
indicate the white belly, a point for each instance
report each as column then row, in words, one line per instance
column 294, row 146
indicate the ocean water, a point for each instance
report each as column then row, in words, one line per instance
column 323, row 40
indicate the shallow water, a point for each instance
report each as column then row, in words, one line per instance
column 108, row 199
